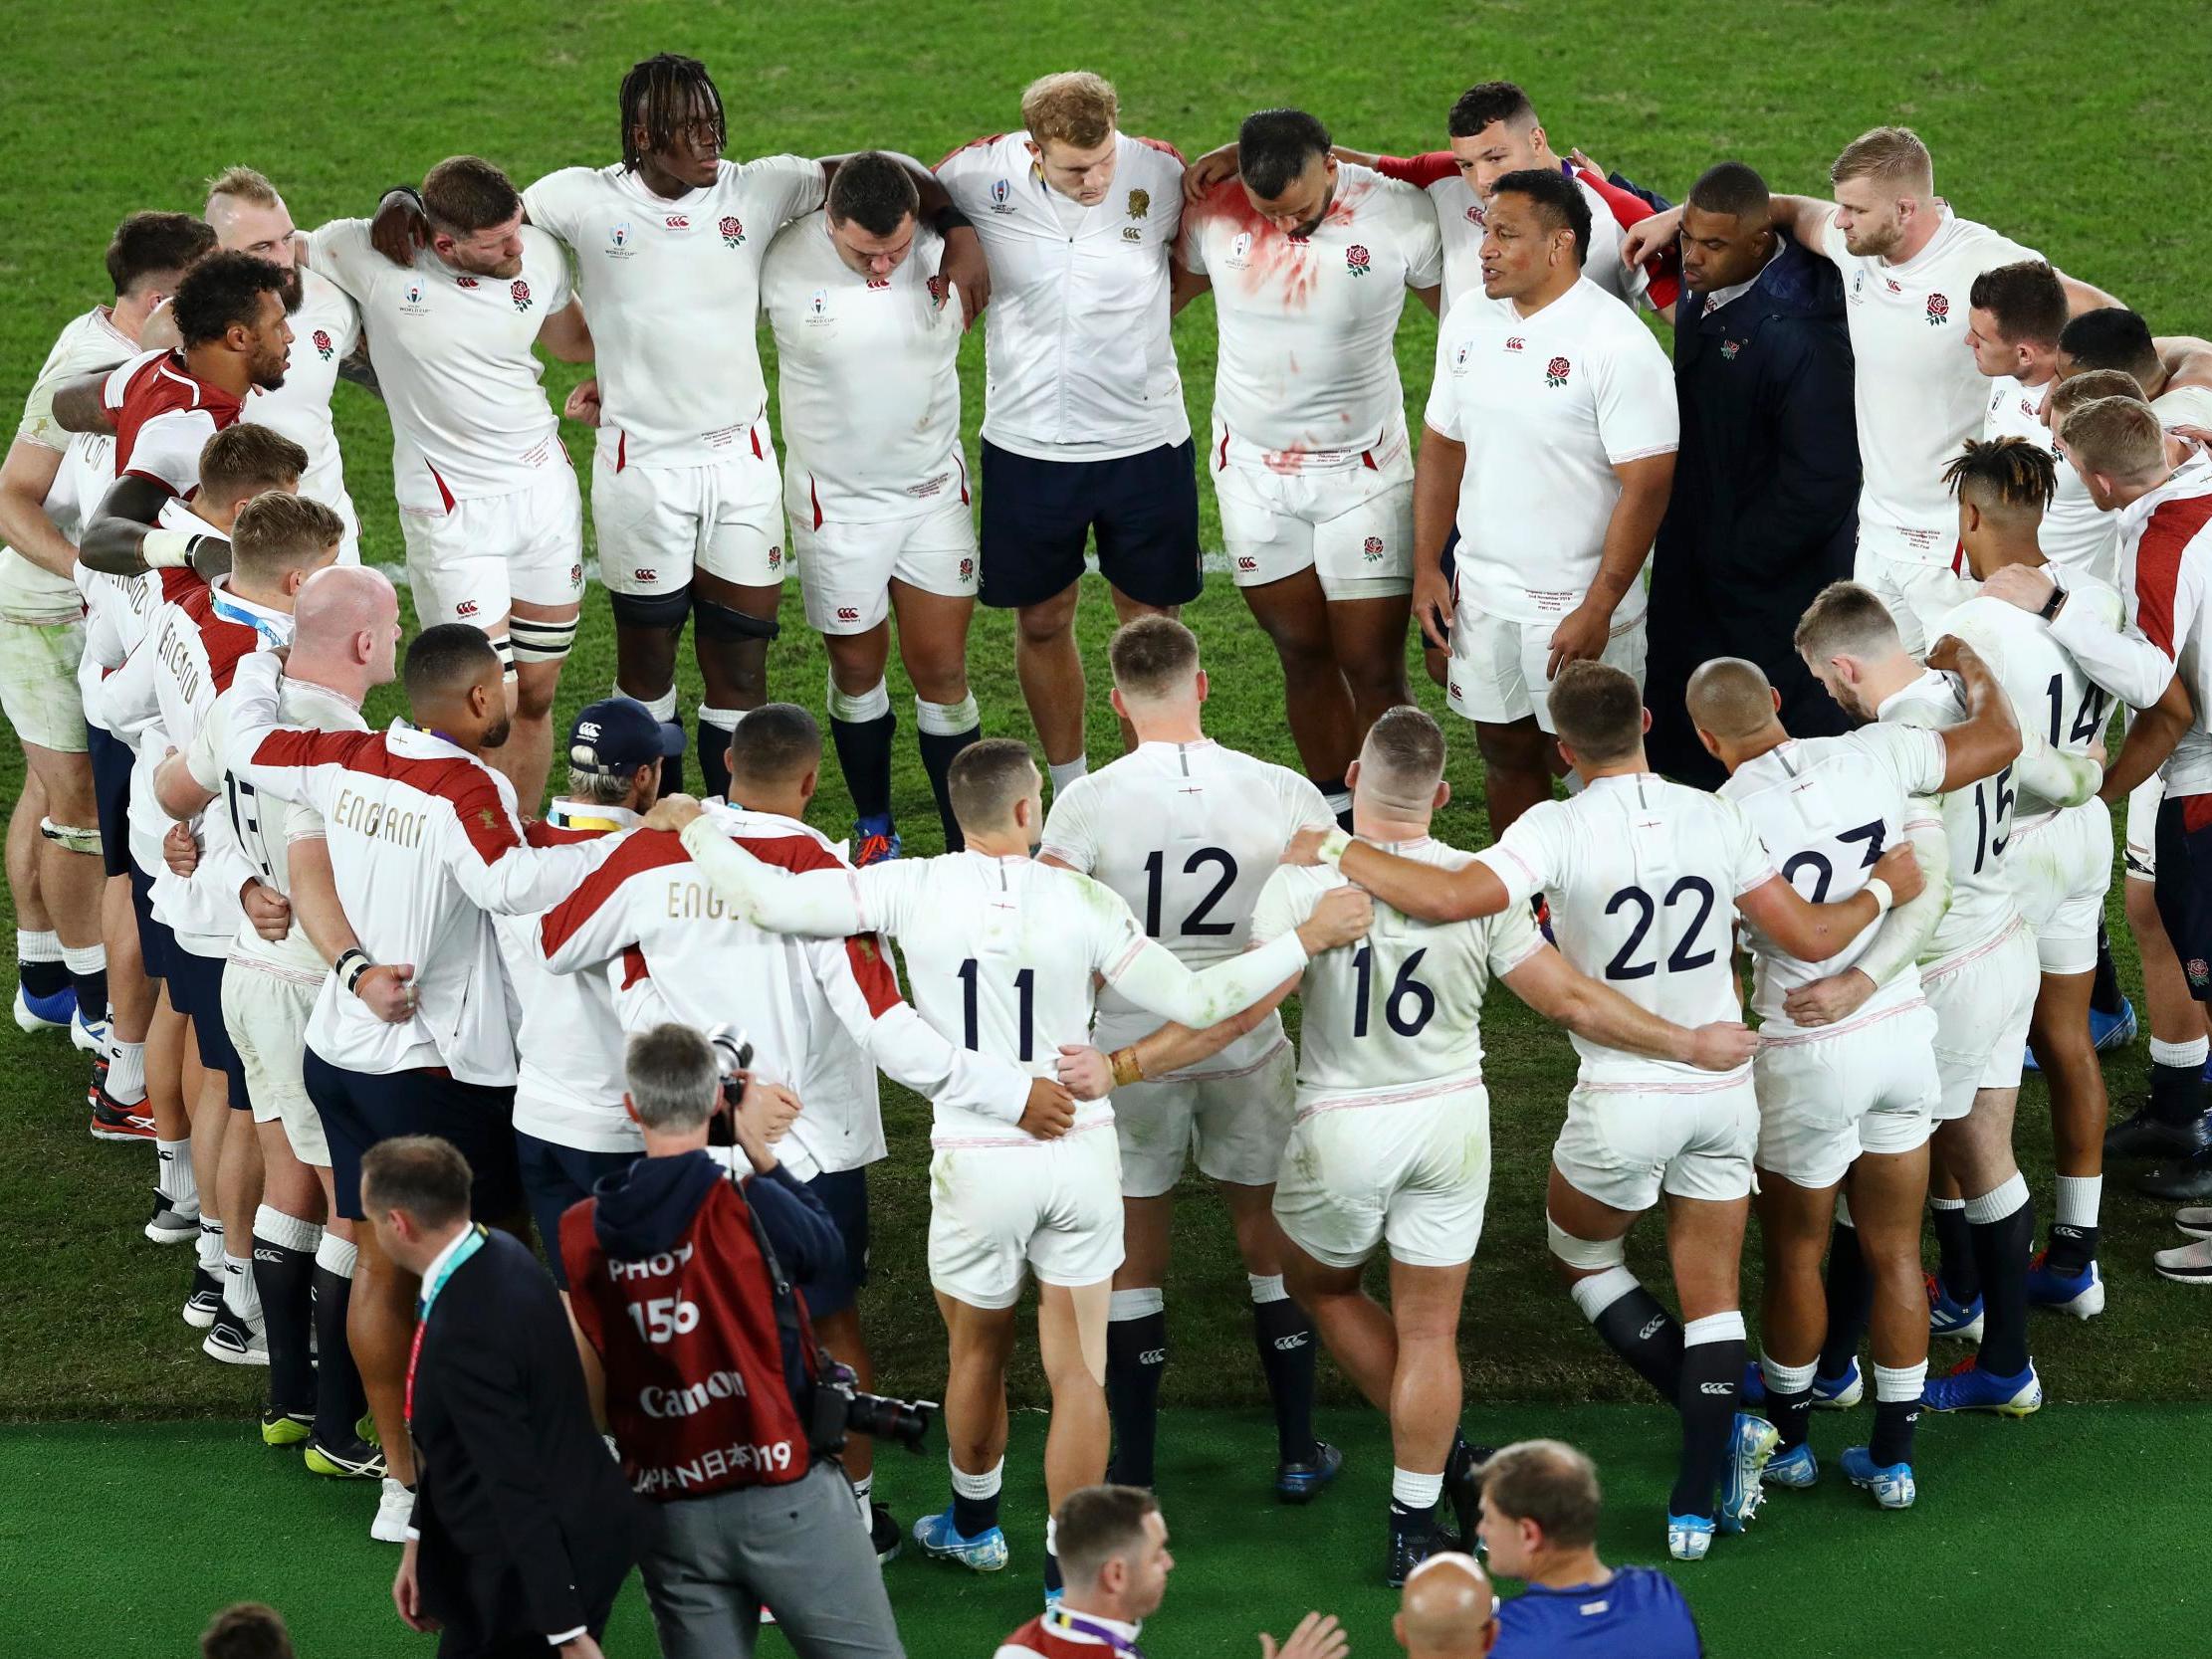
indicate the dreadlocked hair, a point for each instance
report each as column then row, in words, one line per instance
column 2008, row 471
column 659, row 95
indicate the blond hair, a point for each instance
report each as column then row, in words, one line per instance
column 2088, row 387
column 1074, row 107
column 1889, row 156
column 2117, row 436
column 242, row 184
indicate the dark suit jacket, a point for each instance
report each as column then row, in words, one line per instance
column 1764, row 513
column 528, row 1528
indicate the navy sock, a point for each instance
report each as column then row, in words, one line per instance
column 938, row 751
column 2071, row 1248
column 1135, row 1360
column 714, row 759
column 2176, row 1093
column 1712, row 1377
column 1647, row 1337
column 1791, row 1415
column 1956, row 1267
column 1893, row 1437
column 1051, row 1570
column 91, row 993
column 2106, row 997
column 864, row 757
column 2001, row 1251
column 284, row 1280
column 1850, row 1300
column 1283, row 1334
column 338, row 1401
column 973, row 1516
column 43, row 980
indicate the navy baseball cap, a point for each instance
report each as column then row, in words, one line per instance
column 620, row 734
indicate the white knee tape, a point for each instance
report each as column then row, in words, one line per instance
column 1591, row 1255
column 69, row 838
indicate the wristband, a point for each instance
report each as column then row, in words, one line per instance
column 1127, row 1069
column 352, row 963
column 2052, row 605
column 1884, row 899
column 167, row 549
column 948, row 219
column 1331, row 849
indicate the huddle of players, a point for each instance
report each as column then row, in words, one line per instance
column 1326, row 544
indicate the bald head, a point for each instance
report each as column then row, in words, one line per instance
column 345, row 622
column 1447, row 1611
column 1731, row 700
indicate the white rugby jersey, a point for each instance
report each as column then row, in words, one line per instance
column 1001, row 953
column 822, row 1013
column 1547, row 406
column 1308, row 371
column 1916, row 395
column 570, row 1053
column 1461, row 222
column 1078, row 363
column 452, row 353
column 424, row 848
column 118, row 609
column 263, row 827
column 2060, row 709
column 2164, row 541
column 164, row 416
column 1402, row 1007
column 2183, row 406
column 325, row 330
column 30, row 592
column 1827, row 809
column 672, row 286
column 866, row 382
column 1188, row 834
column 1643, row 874
column 2075, row 533
column 1977, row 821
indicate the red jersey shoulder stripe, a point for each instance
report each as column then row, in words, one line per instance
column 2167, row 533
column 226, row 642
column 1163, row 146
column 643, row 851
column 984, row 143
column 1665, row 284
column 864, row 953
column 1431, row 167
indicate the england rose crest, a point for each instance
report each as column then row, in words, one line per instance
column 1373, row 550
column 1939, row 310
column 1555, row 371
column 938, row 287
column 323, row 344
column 733, row 232
column 966, row 570
column 1356, row 261
column 519, row 292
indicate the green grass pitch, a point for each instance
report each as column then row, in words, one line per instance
column 2080, row 130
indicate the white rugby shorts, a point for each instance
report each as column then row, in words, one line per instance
column 845, row 571
column 2140, row 853
column 1050, row 1208
column 471, row 562
column 1352, row 526
column 1624, row 1142
column 1496, row 674
column 39, row 690
column 656, row 526
column 1409, row 1168
column 2062, row 868
column 1828, row 1094
column 265, row 1011
column 1983, row 999
column 1235, row 1121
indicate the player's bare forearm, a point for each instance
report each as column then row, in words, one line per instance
column 1433, row 297
column 1555, row 989
column 357, row 369
column 1438, row 472
column 1645, row 483
column 1172, row 1047
column 2151, row 738
column 1423, row 890
column 566, row 336
column 1803, row 217
column 26, row 478
column 1357, row 157
column 1185, row 285
column 315, row 901
column 79, row 405
column 2085, row 296
column 179, row 791
column 1989, row 739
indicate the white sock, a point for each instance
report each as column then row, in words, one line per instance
column 858, row 707
column 722, row 719
column 1935, row 1203
column 2189, row 1054
column 1128, row 1305
column 43, row 947
column 663, row 707
column 1713, row 1327
column 947, row 719
column 173, row 1176
column 984, row 1484
column 126, row 1072
column 2080, row 1197
column 1266, row 1288
column 1414, row 1491
column 286, row 1232
column 1786, row 1380
column 86, row 958
column 1053, row 1536
column 335, row 1255
column 211, row 1244
column 1843, row 1212
column 1065, row 772
column 1601, row 1291
column 1338, row 801
column 1995, row 1205
column 240, row 1294
column 1900, row 1382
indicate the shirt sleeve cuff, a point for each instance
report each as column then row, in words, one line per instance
column 564, row 1637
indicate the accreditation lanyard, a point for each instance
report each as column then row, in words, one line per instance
column 1074, row 1624
column 468, row 1246
column 269, row 628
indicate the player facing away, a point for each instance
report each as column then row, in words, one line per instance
column 1004, row 955
column 1308, row 261
column 1391, row 1139
column 867, row 330
column 1980, row 975
column 1844, row 1105
column 1644, row 877
column 1187, row 832
column 1551, row 396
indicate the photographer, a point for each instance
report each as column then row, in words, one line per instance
column 680, row 1279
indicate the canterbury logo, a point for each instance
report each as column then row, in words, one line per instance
column 1153, row 1356
column 1716, row 1387
column 1644, row 1334
column 1284, row 1344
column 268, row 1255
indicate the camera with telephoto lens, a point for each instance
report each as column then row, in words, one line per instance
column 836, row 1409
column 733, row 1059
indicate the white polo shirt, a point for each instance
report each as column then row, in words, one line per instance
column 453, row 357
column 1916, row 395
column 1547, row 406
column 1308, row 370
column 866, row 379
column 2075, row 534
column 1079, row 366
column 672, row 286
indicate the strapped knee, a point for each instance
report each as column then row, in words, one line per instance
column 540, row 642
column 70, row 837
column 727, row 623
column 1590, row 1255
column 652, row 610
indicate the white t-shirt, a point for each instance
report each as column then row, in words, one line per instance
column 1643, row 874
column 1916, row 395
column 672, row 287
column 1188, row 835
column 2075, row 533
column 866, row 379
column 1403, row 1006
column 1827, row 809
column 1308, row 371
column 1547, row 406
column 453, row 357
column 1078, row 363
column 1977, row 821
column 325, row 330
column 2183, row 406
column 30, row 592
